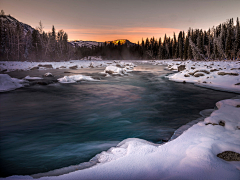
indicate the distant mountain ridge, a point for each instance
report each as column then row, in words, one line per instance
column 121, row 42
column 12, row 21
column 88, row 44
column 91, row 44
column 8, row 19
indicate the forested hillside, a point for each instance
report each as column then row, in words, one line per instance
column 20, row 42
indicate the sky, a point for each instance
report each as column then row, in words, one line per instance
column 106, row 20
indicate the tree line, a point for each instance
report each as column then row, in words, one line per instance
column 19, row 44
column 221, row 42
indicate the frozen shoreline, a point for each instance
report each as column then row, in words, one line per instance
column 181, row 158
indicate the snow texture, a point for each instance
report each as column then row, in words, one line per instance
column 32, row 78
column 218, row 75
column 7, row 83
column 75, row 78
column 95, row 62
column 119, row 69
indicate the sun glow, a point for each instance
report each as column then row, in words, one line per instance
column 132, row 34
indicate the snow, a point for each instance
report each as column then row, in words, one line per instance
column 7, row 83
column 48, row 74
column 119, row 69
column 88, row 44
column 75, row 78
column 219, row 75
column 84, row 63
column 32, row 78
column 192, row 151
column 115, row 70
column 192, row 155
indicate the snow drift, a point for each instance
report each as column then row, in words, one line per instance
column 7, row 83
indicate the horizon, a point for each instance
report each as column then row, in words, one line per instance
column 105, row 20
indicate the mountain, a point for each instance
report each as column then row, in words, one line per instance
column 121, row 42
column 7, row 19
column 91, row 44
column 88, row 44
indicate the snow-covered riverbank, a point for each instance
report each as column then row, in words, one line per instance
column 219, row 75
column 194, row 154
column 8, row 84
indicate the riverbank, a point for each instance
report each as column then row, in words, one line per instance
column 181, row 158
column 218, row 75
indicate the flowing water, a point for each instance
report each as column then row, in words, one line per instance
column 49, row 127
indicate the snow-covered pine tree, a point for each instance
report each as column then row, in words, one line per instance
column 237, row 38
column 219, row 45
column 196, row 51
column 180, row 44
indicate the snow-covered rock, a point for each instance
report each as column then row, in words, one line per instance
column 119, row 68
column 75, row 78
column 7, row 83
column 115, row 70
column 48, row 74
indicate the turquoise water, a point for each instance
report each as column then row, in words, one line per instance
column 49, row 127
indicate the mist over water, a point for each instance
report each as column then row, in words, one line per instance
column 48, row 127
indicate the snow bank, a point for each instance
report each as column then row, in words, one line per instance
column 193, row 155
column 96, row 62
column 219, row 75
column 7, row 83
column 75, row 78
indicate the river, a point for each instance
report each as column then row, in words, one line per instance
column 49, row 127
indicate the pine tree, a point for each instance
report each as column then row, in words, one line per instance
column 160, row 55
column 186, row 44
column 147, row 44
column 174, row 46
column 180, row 44
column 237, row 38
column 228, row 43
